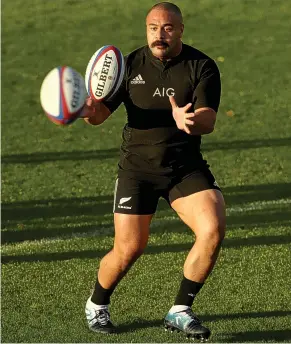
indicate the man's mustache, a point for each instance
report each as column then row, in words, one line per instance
column 156, row 43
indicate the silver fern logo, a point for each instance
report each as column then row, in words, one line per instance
column 124, row 199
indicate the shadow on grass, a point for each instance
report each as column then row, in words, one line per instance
column 94, row 254
column 33, row 158
column 252, row 336
column 27, row 220
column 244, row 336
column 62, row 207
column 40, row 219
column 259, row 219
column 103, row 204
column 258, row 336
column 139, row 324
column 236, row 195
column 246, row 315
column 38, row 233
column 245, row 144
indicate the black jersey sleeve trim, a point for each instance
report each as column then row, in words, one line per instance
column 208, row 90
column 114, row 102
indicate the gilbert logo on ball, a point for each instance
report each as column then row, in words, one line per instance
column 62, row 95
column 104, row 73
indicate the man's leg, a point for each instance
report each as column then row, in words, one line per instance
column 131, row 237
column 204, row 213
column 135, row 202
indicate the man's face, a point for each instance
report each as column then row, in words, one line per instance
column 164, row 33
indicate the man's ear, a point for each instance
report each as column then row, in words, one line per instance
column 182, row 30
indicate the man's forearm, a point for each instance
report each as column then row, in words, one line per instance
column 199, row 129
column 201, row 123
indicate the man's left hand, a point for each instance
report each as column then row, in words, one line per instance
column 200, row 122
column 184, row 119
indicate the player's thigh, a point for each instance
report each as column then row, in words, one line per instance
column 135, row 202
column 200, row 204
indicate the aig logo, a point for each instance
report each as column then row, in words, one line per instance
column 164, row 92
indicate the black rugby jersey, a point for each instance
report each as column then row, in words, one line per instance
column 152, row 143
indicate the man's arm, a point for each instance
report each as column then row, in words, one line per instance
column 201, row 122
column 206, row 100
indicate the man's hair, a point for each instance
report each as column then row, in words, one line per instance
column 168, row 6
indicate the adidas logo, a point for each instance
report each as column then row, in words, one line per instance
column 137, row 80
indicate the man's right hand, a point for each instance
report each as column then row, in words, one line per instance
column 94, row 112
column 90, row 108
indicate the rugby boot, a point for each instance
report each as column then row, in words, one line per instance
column 98, row 319
column 186, row 321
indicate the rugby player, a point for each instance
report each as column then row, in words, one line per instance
column 171, row 92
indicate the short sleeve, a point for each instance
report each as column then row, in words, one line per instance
column 208, row 90
column 113, row 102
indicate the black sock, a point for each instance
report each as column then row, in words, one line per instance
column 100, row 295
column 187, row 292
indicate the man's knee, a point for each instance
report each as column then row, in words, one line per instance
column 128, row 253
column 213, row 234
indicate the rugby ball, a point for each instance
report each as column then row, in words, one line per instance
column 62, row 95
column 104, row 73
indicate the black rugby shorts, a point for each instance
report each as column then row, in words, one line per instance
column 140, row 194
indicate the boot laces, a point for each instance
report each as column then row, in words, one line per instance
column 194, row 319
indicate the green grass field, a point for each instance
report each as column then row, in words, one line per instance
column 57, row 182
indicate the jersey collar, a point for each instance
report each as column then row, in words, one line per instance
column 166, row 64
